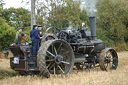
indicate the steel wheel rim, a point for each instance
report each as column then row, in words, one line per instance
column 110, row 60
column 58, row 60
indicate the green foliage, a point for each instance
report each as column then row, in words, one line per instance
column 112, row 21
column 1, row 3
column 7, row 34
column 14, row 17
column 17, row 17
column 63, row 15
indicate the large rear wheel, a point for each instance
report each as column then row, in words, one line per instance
column 55, row 57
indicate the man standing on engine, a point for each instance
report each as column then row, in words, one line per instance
column 83, row 27
column 35, row 39
column 39, row 33
column 39, row 29
column 19, row 36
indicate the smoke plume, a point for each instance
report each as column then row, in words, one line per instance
column 89, row 6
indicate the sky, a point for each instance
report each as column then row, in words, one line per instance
column 15, row 4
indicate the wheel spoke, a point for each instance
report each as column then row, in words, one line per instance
column 52, row 48
column 65, row 62
column 65, row 53
column 49, row 60
column 59, row 47
column 51, row 53
column 55, row 51
column 64, row 57
column 48, row 65
column 114, row 58
column 60, row 50
column 106, row 65
column 51, row 66
column 62, row 66
column 113, row 65
column 111, row 61
column 61, row 69
column 48, row 56
column 54, row 70
column 108, row 54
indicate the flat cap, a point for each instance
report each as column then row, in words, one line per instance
column 34, row 25
column 20, row 28
column 39, row 26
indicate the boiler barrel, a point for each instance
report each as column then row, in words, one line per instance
column 85, row 49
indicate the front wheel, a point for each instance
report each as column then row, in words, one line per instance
column 108, row 59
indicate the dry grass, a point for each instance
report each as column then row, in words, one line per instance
column 2, row 55
column 77, row 77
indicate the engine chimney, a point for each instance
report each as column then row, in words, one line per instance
column 92, row 22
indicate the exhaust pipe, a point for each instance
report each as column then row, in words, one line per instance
column 92, row 22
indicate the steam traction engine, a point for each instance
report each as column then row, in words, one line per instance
column 61, row 50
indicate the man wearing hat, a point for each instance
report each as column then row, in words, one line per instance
column 35, row 39
column 19, row 36
column 40, row 34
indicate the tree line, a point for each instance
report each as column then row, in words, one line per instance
column 111, row 20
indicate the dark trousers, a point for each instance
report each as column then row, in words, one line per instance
column 34, row 47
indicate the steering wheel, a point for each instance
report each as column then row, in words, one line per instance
column 53, row 30
column 63, row 35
